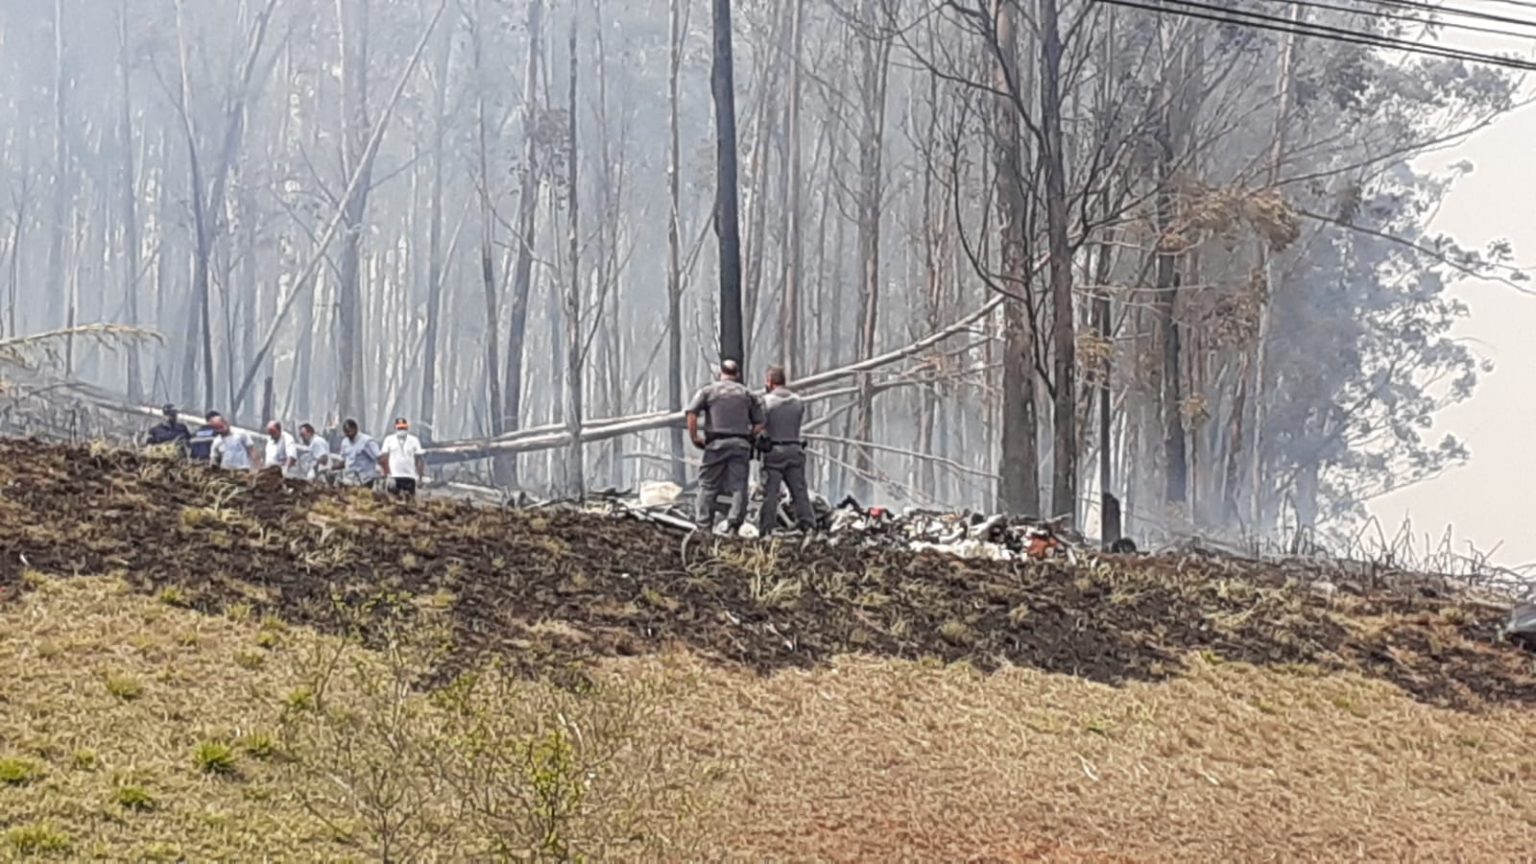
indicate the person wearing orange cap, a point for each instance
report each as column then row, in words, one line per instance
column 403, row 460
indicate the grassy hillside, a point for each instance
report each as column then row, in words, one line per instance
column 201, row 669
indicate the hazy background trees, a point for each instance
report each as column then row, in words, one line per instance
column 1219, row 302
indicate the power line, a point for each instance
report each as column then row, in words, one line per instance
column 1259, row 21
column 1444, row 9
column 1319, row 28
column 1405, row 18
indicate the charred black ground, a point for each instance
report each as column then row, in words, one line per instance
column 531, row 585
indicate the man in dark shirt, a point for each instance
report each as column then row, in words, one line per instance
column 733, row 418
column 783, row 456
column 200, row 448
column 171, row 431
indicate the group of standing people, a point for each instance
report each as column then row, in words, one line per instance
column 736, row 424
column 397, row 463
column 726, row 420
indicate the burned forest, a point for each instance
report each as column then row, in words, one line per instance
column 1199, row 248
column 374, row 375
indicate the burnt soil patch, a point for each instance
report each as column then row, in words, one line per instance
column 540, row 585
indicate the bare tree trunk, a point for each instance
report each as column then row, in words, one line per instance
column 789, row 317
column 875, row 51
column 200, row 314
column 1019, row 483
column 1064, row 331
column 1105, row 371
column 575, row 483
column 727, row 216
column 527, row 227
column 351, row 381
column 17, row 233
column 435, row 241
column 59, row 230
column 497, row 420
column 676, row 13
column 130, row 204
column 1256, row 479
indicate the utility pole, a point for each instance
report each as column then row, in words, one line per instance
column 727, row 221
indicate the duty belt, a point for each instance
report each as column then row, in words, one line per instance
column 712, row 437
column 800, row 444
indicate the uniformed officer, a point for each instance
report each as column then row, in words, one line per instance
column 783, row 455
column 734, row 419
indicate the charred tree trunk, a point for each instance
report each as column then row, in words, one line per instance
column 1019, row 483
column 727, row 193
column 875, row 51
column 1064, row 331
column 1105, row 372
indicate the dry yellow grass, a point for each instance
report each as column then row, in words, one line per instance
column 880, row 761
column 863, row 760
column 136, row 730
column 70, row 650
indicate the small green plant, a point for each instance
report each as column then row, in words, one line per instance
column 172, row 595
column 125, row 687
column 249, row 660
column 301, row 699
column 259, row 745
column 136, row 798
column 266, row 639
column 213, row 757
column 19, row 772
column 42, row 839
column 239, row 611
column 84, row 759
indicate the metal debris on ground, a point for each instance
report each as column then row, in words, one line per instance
column 995, row 537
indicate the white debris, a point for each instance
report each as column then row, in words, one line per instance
column 659, row 493
column 965, row 549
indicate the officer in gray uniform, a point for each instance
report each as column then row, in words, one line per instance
column 783, row 455
column 734, row 419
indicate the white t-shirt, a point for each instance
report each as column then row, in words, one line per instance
column 314, row 457
column 280, row 451
column 402, row 453
column 232, row 452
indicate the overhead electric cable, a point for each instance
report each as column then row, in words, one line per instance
column 1457, row 11
column 1258, row 21
column 1407, row 19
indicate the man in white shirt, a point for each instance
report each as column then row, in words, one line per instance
column 232, row 450
column 403, row 460
column 314, row 454
column 359, row 456
column 281, row 453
